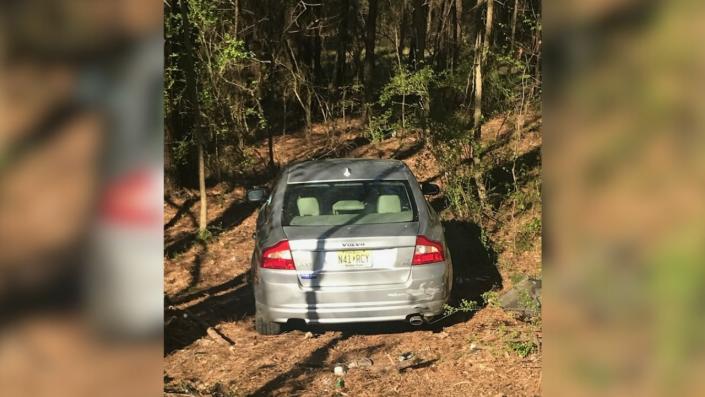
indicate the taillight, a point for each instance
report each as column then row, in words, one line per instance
column 427, row 251
column 130, row 200
column 278, row 256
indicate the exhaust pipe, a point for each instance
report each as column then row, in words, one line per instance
column 416, row 320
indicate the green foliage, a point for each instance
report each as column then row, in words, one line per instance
column 522, row 347
column 491, row 298
column 528, row 302
column 462, row 200
column 464, row 306
column 407, row 95
column 203, row 14
column 528, row 234
column 181, row 150
column 379, row 127
column 515, row 278
column 525, row 199
column 204, row 235
column 507, row 80
column 231, row 51
column 407, row 83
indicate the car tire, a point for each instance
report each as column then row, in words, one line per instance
column 264, row 327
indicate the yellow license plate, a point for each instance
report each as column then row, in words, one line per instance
column 356, row 258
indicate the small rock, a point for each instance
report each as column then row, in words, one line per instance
column 474, row 347
column 308, row 335
column 339, row 369
column 523, row 298
column 363, row 362
column 406, row 356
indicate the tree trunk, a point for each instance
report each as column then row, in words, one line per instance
column 477, row 103
column 488, row 29
column 192, row 100
column 236, row 21
column 371, row 28
column 514, row 24
column 203, row 217
column 342, row 44
column 442, row 26
column 420, row 17
column 481, row 48
column 482, row 43
column 170, row 179
column 316, row 61
column 270, row 145
column 218, row 172
column 457, row 32
column 402, row 31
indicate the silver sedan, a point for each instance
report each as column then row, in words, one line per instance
column 348, row 240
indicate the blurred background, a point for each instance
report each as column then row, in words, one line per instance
column 81, row 131
column 624, row 252
column 81, row 200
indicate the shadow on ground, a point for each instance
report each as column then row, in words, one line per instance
column 297, row 378
column 183, row 209
column 230, row 301
column 237, row 212
column 474, row 265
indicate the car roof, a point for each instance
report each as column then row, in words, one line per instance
column 347, row 170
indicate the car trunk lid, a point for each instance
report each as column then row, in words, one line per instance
column 352, row 255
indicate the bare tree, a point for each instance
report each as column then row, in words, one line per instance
column 482, row 44
column 514, row 23
column 192, row 100
column 370, row 37
column 420, row 16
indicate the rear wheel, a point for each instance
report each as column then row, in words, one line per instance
column 264, row 327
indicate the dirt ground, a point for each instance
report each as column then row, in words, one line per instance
column 211, row 347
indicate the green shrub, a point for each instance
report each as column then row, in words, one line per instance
column 528, row 234
column 491, row 298
column 465, row 306
column 522, row 347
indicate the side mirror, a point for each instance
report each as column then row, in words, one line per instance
column 430, row 189
column 257, row 195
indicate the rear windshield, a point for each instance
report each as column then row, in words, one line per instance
column 348, row 203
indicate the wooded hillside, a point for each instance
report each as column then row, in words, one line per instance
column 242, row 71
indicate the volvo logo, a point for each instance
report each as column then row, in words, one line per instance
column 347, row 172
column 353, row 245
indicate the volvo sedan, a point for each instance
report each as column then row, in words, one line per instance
column 345, row 241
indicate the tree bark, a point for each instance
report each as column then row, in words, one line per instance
column 371, row 28
column 440, row 47
column 477, row 102
column 236, row 22
column 457, row 32
column 342, row 44
column 514, row 24
column 170, row 179
column 402, row 31
column 192, row 100
column 316, row 61
column 420, row 16
column 203, row 216
column 482, row 44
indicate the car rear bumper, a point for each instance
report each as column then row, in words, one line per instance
column 280, row 297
